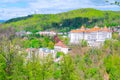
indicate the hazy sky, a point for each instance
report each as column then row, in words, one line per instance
column 16, row 8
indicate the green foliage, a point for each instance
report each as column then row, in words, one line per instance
column 65, row 21
column 112, row 65
column 38, row 41
column 59, row 54
column 115, row 35
column 18, row 67
column 87, row 59
column 42, row 69
column 64, row 39
column 51, row 45
column 112, row 45
column 107, row 43
column 83, row 43
column 57, row 74
column 68, row 69
column 92, row 65
column 2, row 67
column 91, row 73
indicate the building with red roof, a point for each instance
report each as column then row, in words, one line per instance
column 56, row 39
column 60, row 46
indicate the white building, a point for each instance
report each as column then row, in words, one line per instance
column 45, row 52
column 48, row 33
column 41, row 52
column 32, row 52
column 61, row 47
column 94, row 36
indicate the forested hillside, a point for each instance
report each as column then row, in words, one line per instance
column 65, row 21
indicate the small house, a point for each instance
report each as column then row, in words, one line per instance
column 60, row 46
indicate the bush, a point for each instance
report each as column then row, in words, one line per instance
column 83, row 43
column 59, row 54
column 112, row 66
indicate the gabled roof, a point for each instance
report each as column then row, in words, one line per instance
column 106, row 29
column 61, row 44
column 82, row 29
column 94, row 29
column 56, row 39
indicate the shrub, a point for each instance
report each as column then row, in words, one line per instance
column 83, row 43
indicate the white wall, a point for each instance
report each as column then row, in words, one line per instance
column 91, row 38
column 64, row 50
column 76, row 37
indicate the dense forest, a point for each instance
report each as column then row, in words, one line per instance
column 65, row 21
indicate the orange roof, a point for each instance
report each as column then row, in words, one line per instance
column 61, row 44
column 77, row 31
column 106, row 29
column 82, row 29
column 96, row 28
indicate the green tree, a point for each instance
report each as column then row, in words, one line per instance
column 51, row 45
column 68, row 71
column 42, row 69
column 112, row 66
column 2, row 67
column 83, row 43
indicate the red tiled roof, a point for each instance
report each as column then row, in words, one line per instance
column 61, row 44
column 56, row 39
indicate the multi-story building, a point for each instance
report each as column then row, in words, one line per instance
column 94, row 36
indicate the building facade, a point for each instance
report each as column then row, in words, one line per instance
column 94, row 36
column 40, row 53
column 47, row 33
column 61, row 47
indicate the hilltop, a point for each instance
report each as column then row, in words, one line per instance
column 65, row 21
